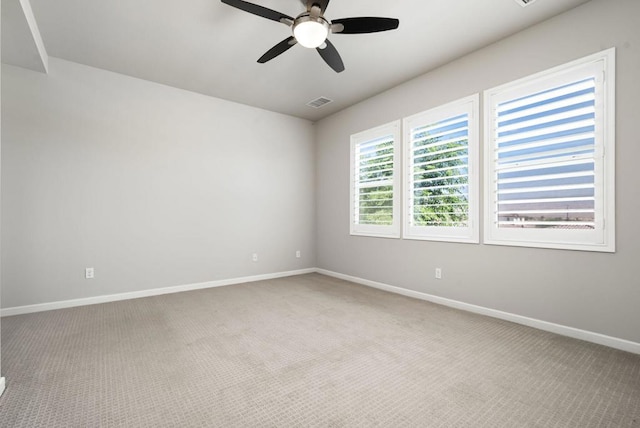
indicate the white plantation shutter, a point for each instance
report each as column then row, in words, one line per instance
column 440, row 154
column 546, row 158
column 549, row 180
column 438, row 174
column 375, row 182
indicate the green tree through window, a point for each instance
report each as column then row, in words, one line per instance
column 440, row 175
column 376, row 197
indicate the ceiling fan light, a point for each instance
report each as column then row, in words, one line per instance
column 310, row 32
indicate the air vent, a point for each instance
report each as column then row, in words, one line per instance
column 319, row 102
column 524, row 3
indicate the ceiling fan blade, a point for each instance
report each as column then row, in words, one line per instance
column 331, row 56
column 363, row 25
column 281, row 47
column 258, row 10
column 322, row 3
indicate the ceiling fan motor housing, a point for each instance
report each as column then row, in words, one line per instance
column 310, row 30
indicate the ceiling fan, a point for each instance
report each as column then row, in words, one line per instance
column 311, row 29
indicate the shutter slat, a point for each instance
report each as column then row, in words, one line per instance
column 549, row 155
column 541, row 144
column 545, row 163
column 448, row 177
column 440, row 152
column 547, row 177
column 462, row 158
column 547, row 119
column 375, row 171
column 448, row 186
column 416, row 145
column 546, row 95
column 435, row 170
column 367, row 159
column 544, row 189
column 572, row 127
column 383, row 142
column 557, row 211
column 440, row 138
column 460, row 120
column 546, row 200
column 557, row 105
column 546, row 223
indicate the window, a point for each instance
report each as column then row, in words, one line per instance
column 441, row 179
column 550, row 158
column 375, row 182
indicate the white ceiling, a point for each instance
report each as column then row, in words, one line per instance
column 208, row 47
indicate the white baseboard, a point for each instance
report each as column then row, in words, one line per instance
column 2, row 384
column 19, row 310
column 601, row 339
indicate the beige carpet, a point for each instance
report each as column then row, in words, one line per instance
column 308, row 351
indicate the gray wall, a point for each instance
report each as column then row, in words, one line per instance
column 150, row 185
column 592, row 291
column 0, row 205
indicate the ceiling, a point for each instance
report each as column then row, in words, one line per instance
column 209, row 47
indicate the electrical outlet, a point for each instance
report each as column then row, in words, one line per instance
column 438, row 273
column 89, row 273
column 254, row 257
column 298, row 254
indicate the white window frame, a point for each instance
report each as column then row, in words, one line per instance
column 471, row 233
column 602, row 238
column 383, row 231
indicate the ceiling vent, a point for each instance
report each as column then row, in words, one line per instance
column 319, row 102
column 524, row 3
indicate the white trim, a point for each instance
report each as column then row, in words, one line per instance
column 2, row 385
column 601, row 339
column 19, row 310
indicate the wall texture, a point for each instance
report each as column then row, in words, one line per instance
column 150, row 185
column 592, row 291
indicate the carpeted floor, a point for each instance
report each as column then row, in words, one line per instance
column 309, row 351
